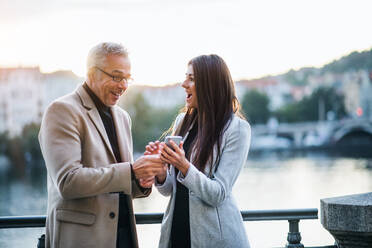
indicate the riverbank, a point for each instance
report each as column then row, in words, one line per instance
column 346, row 151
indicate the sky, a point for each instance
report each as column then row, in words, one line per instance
column 255, row 37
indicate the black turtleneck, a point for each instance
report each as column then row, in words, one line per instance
column 180, row 232
column 124, row 235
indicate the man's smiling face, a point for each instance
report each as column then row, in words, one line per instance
column 106, row 89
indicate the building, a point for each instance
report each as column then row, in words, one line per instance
column 278, row 91
column 164, row 97
column 357, row 88
column 26, row 92
column 20, row 98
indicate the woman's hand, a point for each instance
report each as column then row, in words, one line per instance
column 152, row 148
column 175, row 157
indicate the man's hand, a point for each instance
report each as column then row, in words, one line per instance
column 147, row 183
column 148, row 166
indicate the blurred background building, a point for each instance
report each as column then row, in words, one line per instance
column 26, row 92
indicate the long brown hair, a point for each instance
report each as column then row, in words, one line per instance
column 217, row 103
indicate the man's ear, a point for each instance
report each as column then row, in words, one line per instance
column 91, row 75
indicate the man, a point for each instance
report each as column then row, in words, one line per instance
column 87, row 146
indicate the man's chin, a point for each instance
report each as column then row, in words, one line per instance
column 111, row 103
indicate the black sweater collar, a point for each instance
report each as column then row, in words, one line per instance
column 99, row 104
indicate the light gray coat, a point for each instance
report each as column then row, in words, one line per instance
column 215, row 220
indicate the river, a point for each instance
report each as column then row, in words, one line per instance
column 269, row 181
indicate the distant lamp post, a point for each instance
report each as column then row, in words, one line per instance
column 321, row 109
column 272, row 124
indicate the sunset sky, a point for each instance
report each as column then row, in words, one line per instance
column 255, row 38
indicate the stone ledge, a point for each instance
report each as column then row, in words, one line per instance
column 348, row 219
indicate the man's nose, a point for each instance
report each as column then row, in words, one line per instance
column 123, row 84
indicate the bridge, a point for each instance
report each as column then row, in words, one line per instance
column 303, row 134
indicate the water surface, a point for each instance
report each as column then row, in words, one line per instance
column 270, row 181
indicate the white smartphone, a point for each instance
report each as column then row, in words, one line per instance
column 176, row 139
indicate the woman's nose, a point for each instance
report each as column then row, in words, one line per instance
column 185, row 83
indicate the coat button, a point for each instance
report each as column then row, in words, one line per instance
column 112, row 215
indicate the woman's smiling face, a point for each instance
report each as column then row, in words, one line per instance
column 189, row 85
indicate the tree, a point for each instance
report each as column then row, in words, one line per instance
column 24, row 150
column 4, row 139
column 30, row 144
column 148, row 123
column 256, row 106
column 353, row 61
column 309, row 108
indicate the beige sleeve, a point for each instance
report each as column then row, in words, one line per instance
column 138, row 191
column 60, row 139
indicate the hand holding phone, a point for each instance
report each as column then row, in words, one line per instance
column 179, row 161
column 176, row 139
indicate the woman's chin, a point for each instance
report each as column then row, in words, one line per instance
column 190, row 106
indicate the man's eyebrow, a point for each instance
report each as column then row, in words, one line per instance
column 120, row 72
column 117, row 71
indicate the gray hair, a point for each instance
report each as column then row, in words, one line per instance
column 97, row 55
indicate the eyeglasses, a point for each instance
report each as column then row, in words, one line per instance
column 115, row 78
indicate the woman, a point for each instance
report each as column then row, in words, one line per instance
column 202, row 211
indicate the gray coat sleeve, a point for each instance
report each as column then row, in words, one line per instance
column 216, row 189
column 167, row 187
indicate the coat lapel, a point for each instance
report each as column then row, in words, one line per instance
column 95, row 117
column 121, row 129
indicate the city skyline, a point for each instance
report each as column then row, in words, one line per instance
column 256, row 38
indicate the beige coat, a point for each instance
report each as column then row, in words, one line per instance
column 83, row 173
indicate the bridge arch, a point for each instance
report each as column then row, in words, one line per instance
column 356, row 133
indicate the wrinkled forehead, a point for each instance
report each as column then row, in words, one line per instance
column 117, row 64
